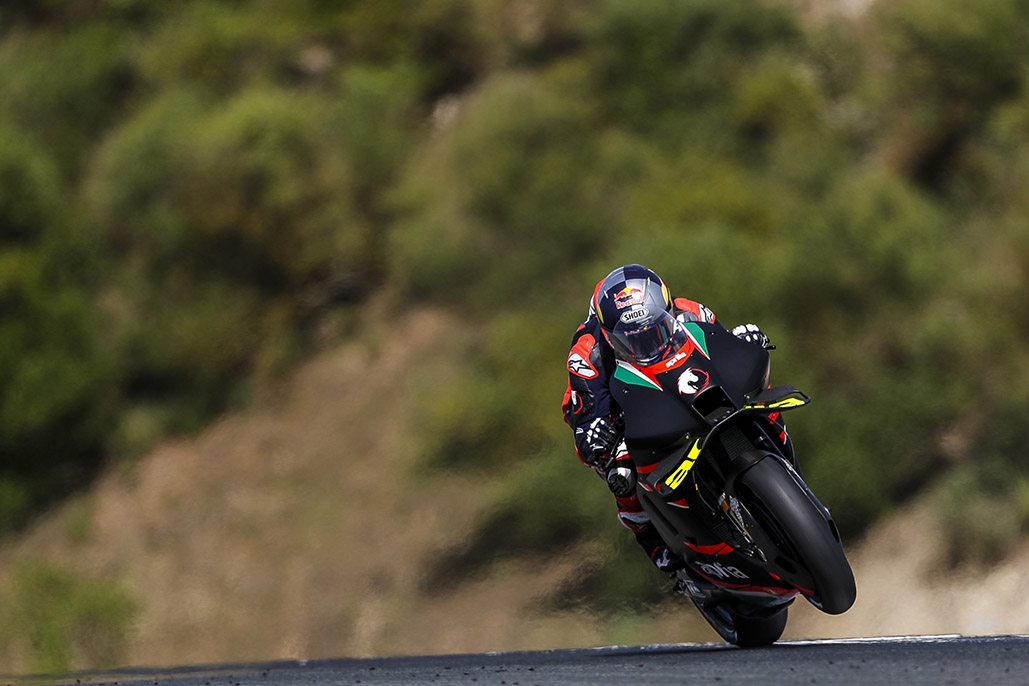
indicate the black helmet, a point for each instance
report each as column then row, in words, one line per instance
column 635, row 311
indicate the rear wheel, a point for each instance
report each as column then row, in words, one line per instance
column 743, row 625
column 798, row 535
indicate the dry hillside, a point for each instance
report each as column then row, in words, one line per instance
column 291, row 530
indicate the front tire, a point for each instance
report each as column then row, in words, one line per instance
column 798, row 535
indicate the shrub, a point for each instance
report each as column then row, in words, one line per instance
column 59, row 621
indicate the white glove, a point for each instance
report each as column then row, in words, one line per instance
column 752, row 334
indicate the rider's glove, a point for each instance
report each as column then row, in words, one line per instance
column 752, row 334
column 598, row 439
column 621, row 481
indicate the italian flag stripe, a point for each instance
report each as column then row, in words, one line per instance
column 696, row 335
column 626, row 373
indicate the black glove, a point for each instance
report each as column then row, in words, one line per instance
column 597, row 439
column 752, row 334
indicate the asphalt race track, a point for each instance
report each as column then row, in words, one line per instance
column 935, row 660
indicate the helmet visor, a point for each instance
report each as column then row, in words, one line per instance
column 649, row 343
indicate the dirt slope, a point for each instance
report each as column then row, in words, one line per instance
column 289, row 530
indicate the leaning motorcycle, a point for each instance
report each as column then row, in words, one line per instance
column 721, row 486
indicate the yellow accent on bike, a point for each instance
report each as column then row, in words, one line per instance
column 680, row 473
column 784, row 404
column 788, row 402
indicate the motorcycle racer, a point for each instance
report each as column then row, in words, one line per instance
column 633, row 317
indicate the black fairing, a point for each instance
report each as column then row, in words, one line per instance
column 659, row 419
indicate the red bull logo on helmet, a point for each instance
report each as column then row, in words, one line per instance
column 627, row 297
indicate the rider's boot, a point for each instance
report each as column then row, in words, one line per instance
column 695, row 587
column 709, row 600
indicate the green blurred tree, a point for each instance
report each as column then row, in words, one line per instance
column 58, row 382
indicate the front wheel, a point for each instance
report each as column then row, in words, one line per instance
column 797, row 535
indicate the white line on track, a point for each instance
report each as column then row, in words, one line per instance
column 933, row 638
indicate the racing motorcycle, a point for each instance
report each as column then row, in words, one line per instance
column 717, row 476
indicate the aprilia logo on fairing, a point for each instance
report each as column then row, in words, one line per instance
column 717, row 569
column 679, row 357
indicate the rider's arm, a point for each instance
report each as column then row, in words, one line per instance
column 588, row 397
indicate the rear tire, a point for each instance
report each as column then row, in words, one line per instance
column 804, row 543
column 744, row 626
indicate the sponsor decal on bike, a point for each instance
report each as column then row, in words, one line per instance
column 679, row 357
column 720, row 571
column 692, row 381
column 682, row 470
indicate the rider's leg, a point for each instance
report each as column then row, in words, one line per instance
column 633, row 517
